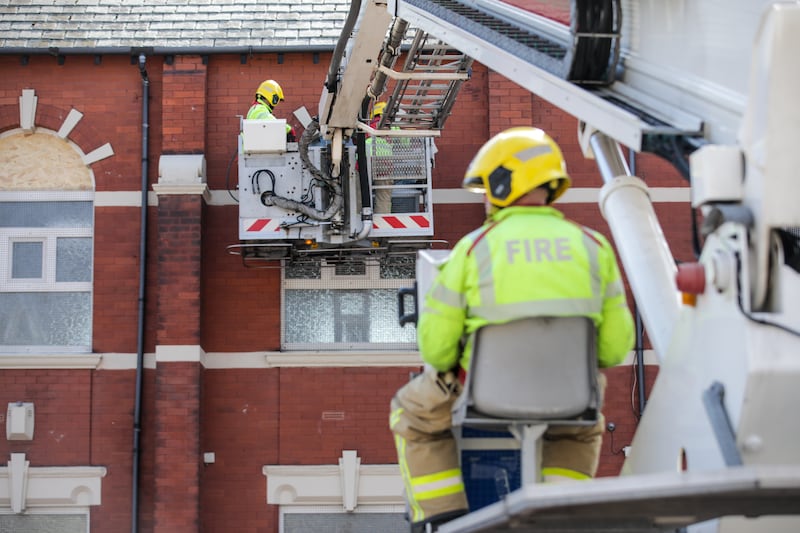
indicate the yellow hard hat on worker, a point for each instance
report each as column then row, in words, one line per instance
column 377, row 109
column 270, row 93
column 513, row 163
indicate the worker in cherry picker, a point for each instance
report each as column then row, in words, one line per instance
column 526, row 260
column 380, row 149
column 268, row 95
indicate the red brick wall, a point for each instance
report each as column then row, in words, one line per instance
column 177, row 448
column 241, row 423
column 242, row 306
column 112, row 446
column 622, row 408
column 62, row 415
column 179, row 264
column 184, row 106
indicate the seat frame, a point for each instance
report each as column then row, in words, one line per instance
column 564, row 345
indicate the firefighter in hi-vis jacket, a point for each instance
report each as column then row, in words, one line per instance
column 526, row 260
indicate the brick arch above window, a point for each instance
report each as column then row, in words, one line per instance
column 38, row 155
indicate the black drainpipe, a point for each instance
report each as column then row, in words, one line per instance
column 137, row 409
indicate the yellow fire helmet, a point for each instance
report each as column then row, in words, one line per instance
column 377, row 109
column 270, row 93
column 513, row 163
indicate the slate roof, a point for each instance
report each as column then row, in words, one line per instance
column 170, row 25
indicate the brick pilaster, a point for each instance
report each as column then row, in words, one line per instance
column 182, row 194
column 184, row 106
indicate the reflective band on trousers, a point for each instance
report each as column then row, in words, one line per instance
column 564, row 472
column 416, row 511
column 394, row 418
column 437, row 485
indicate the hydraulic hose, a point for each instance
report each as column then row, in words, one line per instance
column 308, row 136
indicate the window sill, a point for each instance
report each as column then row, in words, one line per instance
column 37, row 361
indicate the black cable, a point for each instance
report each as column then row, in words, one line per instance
column 228, row 175
column 748, row 315
column 681, row 163
column 611, row 444
column 256, row 183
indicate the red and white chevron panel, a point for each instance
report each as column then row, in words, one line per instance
column 261, row 224
column 401, row 222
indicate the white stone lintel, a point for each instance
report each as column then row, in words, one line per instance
column 329, row 484
column 24, row 487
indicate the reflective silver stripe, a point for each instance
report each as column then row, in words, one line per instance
column 560, row 307
column 534, row 151
column 614, row 289
column 447, row 296
column 483, row 259
column 594, row 267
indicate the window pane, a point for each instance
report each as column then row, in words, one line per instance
column 345, row 522
column 399, row 267
column 309, row 316
column 73, row 259
column 46, row 214
column 305, row 270
column 44, row 523
column 26, row 260
column 327, row 316
column 46, row 319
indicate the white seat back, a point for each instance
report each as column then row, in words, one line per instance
column 539, row 369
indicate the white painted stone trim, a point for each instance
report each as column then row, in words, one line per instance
column 72, row 361
column 27, row 110
column 326, row 485
column 232, row 360
column 188, row 353
column 181, row 169
column 23, row 486
column 576, row 195
column 97, row 154
column 69, row 123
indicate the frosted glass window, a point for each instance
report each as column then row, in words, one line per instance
column 44, row 523
column 26, row 260
column 323, row 316
column 346, row 305
column 46, row 214
column 45, row 318
column 341, row 522
column 73, row 259
column 46, row 263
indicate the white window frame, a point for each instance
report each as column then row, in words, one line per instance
column 48, row 236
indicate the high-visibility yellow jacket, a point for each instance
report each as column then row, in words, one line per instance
column 259, row 111
column 524, row 261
